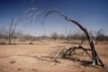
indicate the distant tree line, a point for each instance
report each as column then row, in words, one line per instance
column 55, row 36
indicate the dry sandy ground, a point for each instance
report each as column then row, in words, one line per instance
column 37, row 58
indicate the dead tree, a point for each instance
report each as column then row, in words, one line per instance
column 98, row 33
column 95, row 57
column 68, row 35
column 12, row 29
column 54, row 36
column 11, row 32
column 82, row 38
column 71, row 51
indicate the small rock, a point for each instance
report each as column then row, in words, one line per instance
column 12, row 62
column 34, row 70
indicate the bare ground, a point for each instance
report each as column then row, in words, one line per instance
column 40, row 58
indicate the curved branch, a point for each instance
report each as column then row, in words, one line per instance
column 68, row 19
column 95, row 57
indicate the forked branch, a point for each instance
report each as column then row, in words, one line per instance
column 95, row 57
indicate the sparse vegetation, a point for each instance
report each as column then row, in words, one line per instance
column 27, row 46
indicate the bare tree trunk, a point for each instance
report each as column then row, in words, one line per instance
column 95, row 57
column 10, row 31
column 68, row 35
column 9, row 40
column 98, row 33
column 96, row 41
column 82, row 39
column 12, row 28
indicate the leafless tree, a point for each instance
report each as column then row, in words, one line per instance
column 54, row 36
column 106, row 38
column 68, row 34
column 62, row 37
column 68, row 37
column 12, row 28
column 95, row 57
column 3, row 34
column 98, row 34
column 83, row 38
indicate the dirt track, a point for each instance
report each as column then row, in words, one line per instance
column 36, row 58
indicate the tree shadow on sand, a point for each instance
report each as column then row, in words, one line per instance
column 71, row 54
column 84, row 63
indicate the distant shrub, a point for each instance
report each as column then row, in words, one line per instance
column 2, row 43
